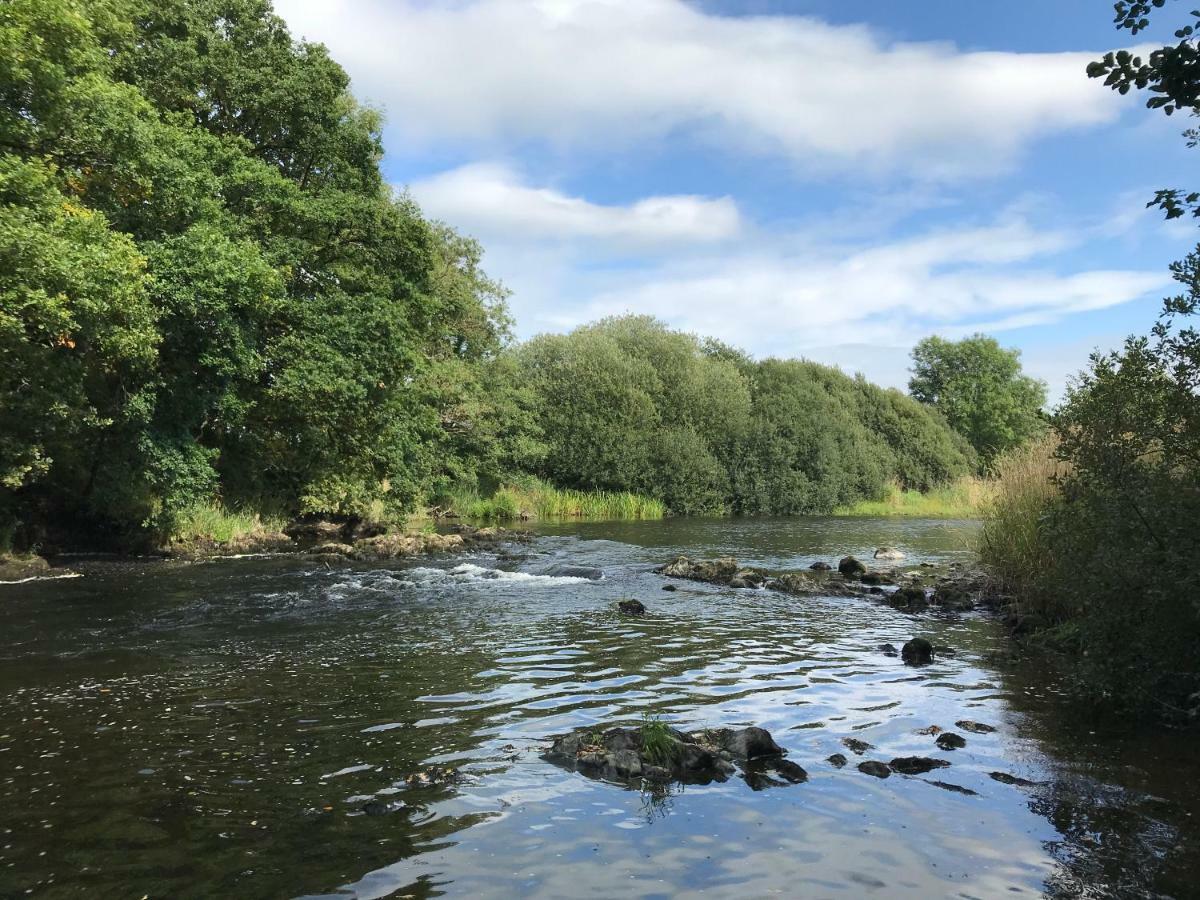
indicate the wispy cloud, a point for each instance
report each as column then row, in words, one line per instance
column 492, row 201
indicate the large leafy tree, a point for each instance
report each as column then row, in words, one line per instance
column 208, row 289
column 980, row 389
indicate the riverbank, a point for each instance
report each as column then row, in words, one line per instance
column 965, row 498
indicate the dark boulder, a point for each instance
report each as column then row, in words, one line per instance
column 951, row 741
column 974, row 727
column 669, row 587
column 953, row 597
column 744, row 743
column 908, row 599
column 747, row 578
column 917, row 652
column 916, row 765
column 851, row 567
column 632, row 607
column 956, row 788
column 1005, row 778
column 563, row 570
column 873, row 577
column 877, row 769
column 837, row 760
column 888, row 650
column 820, row 566
column 854, row 745
column 713, row 571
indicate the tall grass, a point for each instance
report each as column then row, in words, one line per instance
column 213, row 522
column 1012, row 542
column 534, row 499
column 965, row 498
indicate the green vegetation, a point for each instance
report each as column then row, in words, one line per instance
column 208, row 290
column 211, row 301
column 1099, row 543
column 966, row 498
column 980, row 389
column 213, row 522
column 657, row 744
column 532, row 498
column 627, row 405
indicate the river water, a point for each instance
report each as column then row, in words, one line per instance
column 249, row 728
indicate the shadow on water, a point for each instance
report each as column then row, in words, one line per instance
column 271, row 728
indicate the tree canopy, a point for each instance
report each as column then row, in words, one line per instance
column 981, row 390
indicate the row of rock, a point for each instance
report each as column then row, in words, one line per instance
column 335, row 541
column 955, row 591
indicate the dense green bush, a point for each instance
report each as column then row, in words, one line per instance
column 1112, row 546
column 626, row 404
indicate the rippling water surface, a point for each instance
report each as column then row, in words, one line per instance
column 249, row 728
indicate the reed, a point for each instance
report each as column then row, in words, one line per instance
column 214, row 522
column 965, row 498
column 1013, row 543
column 534, row 499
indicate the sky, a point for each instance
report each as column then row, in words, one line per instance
column 832, row 179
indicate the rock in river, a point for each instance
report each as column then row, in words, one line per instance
column 974, row 727
column 875, row 768
column 917, row 652
column 951, row 741
column 631, row 607
column 837, row 760
column 562, row 570
column 888, row 553
column 820, row 566
column 698, row 757
column 916, row 765
column 851, row 567
column 856, row 746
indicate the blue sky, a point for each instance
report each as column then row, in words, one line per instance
column 832, row 180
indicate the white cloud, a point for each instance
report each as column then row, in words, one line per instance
column 609, row 73
column 491, row 201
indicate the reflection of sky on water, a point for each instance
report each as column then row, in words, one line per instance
column 271, row 692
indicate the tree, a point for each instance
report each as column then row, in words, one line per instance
column 980, row 389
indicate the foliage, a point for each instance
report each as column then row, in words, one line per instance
column 532, row 498
column 207, row 288
column 213, row 522
column 979, row 387
column 966, row 498
column 657, row 743
column 1107, row 554
column 626, row 404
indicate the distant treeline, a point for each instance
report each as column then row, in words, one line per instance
column 626, row 404
column 209, row 294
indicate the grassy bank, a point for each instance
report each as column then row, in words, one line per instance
column 213, row 523
column 534, row 499
column 965, row 498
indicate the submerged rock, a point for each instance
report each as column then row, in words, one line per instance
column 951, row 741
column 873, row 577
column 930, row 729
column 974, row 727
column 667, row 754
column 837, row 760
column 851, row 567
column 956, row 788
column 917, row 652
column 888, row 553
column 875, row 768
column 916, row 765
column 669, row 587
column 748, row 578
column 820, row 566
column 563, row 570
column 631, row 607
column 713, row 571
column 888, row 650
column 908, row 599
column 1005, row 778
column 854, row 745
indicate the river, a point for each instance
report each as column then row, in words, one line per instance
column 251, row 728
